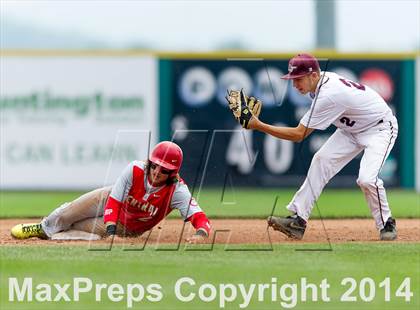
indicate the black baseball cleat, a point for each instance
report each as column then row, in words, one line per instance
column 389, row 232
column 292, row 226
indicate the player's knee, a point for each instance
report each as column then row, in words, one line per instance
column 319, row 158
column 366, row 182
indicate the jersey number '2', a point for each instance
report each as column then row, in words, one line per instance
column 346, row 120
column 354, row 84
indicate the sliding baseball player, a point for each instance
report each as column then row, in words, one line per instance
column 144, row 194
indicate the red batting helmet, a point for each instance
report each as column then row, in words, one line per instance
column 301, row 65
column 167, row 155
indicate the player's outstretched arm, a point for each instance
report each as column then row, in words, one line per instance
column 246, row 111
column 201, row 223
column 295, row 134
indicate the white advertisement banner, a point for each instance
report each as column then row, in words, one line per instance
column 74, row 122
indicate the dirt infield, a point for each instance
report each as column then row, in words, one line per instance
column 239, row 231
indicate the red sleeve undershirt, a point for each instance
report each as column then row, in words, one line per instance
column 111, row 210
column 200, row 220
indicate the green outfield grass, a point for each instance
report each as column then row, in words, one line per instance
column 245, row 203
column 60, row 264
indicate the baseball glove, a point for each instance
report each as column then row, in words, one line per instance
column 243, row 107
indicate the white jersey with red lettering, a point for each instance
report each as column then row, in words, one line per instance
column 141, row 205
column 132, row 201
column 364, row 123
column 181, row 199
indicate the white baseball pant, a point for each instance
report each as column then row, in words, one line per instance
column 84, row 214
column 338, row 151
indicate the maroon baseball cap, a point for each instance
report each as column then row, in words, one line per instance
column 301, row 65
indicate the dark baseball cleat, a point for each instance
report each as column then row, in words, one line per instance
column 292, row 226
column 389, row 232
